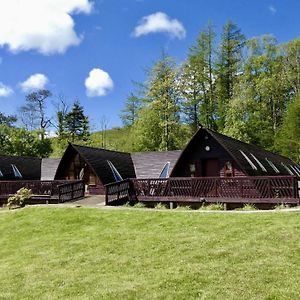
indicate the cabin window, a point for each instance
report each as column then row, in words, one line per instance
column 115, row 172
column 228, row 169
column 259, row 163
column 165, row 171
column 287, row 168
column 273, row 166
column 253, row 166
column 295, row 170
column 1, row 174
column 16, row 171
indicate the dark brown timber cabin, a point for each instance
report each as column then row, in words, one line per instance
column 91, row 165
column 211, row 154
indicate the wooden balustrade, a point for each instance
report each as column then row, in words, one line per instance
column 62, row 190
column 199, row 188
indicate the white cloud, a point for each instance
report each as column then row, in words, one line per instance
column 5, row 90
column 34, row 82
column 42, row 25
column 98, row 83
column 272, row 9
column 160, row 22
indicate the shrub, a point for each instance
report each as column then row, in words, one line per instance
column 248, row 206
column 127, row 204
column 160, row 206
column 139, row 205
column 183, row 207
column 214, row 206
column 282, row 206
column 19, row 198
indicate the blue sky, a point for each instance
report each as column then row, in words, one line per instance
column 58, row 44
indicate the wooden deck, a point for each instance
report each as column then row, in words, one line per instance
column 256, row 190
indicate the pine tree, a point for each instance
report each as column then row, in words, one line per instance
column 228, row 67
column 77, row 123
column 197, row 82
column 130, row 112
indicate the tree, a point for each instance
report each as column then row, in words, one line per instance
column 130, row 112
column 19, row 141
column 228, row 67
column 8, row 120
column 77, row 124
column 288, row 137
column 162, row 95
column 196, row 82
column 33, row 113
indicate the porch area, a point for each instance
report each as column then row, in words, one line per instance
column 45, row 191
column 198, row 190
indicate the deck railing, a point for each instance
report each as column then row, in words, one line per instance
column 199, row 188
column 63, row 190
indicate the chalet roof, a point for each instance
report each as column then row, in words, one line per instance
column 49, row 167
column 29, row 167
column 150, row 164
column 97, row 159
column 259, row 162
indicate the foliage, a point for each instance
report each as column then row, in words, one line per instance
column 213, row 206
column 20, row 198
column 19, row 141
column 183, row 207
column 130, row 112
column 160, row 206
column 247, row 207
column 8, row 120
column 97, row 253
column 139, row 205
column 288, row 137
column 281, row 206
column 33, row 113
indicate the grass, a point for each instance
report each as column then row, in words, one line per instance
column 81, row 253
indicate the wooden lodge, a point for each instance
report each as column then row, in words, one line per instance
column 217, row 168
column 211, row 168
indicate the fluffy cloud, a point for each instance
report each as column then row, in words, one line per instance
column 42, row 25
column 34, row 82
column 5, row 90
column 98, row 83
column 160, row 22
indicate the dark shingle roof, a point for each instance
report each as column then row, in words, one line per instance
column 258, row 156
column 150, row 164
column 29, row 167
column 49, row 167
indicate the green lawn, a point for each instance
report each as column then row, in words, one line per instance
column 81, row 253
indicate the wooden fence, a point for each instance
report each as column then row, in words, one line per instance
column 267, row 189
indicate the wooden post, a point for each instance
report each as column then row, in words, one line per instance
column 171, row 205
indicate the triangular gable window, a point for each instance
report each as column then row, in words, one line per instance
column 165, row 171
column 253, row 166
column 17, row 173
column 115, row 172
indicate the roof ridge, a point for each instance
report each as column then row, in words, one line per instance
column 96, row 148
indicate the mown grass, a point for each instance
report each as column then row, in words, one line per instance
column 55, row 253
